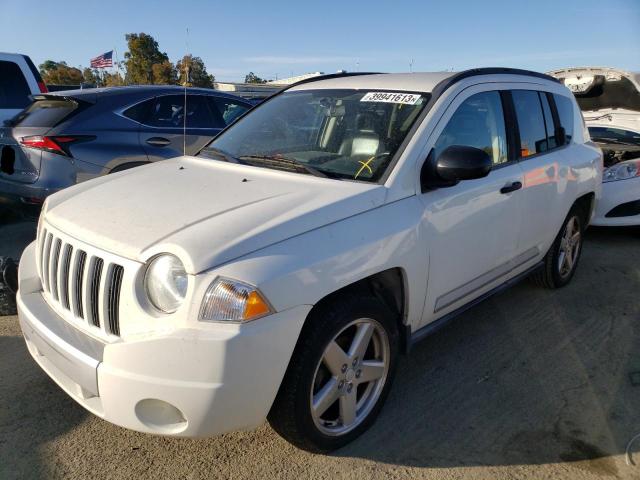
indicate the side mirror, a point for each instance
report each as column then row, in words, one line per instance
column 454, row 164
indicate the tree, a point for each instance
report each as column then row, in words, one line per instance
column 112, row 80
column 253, row 78
column 164, row 73
column 92, row 77
column 198, row 76
column 143, row 54
column 59, row 73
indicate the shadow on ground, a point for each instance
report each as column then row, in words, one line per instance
column 530, row 377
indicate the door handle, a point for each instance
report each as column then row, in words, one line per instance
column 512, row 187
column 158, row 141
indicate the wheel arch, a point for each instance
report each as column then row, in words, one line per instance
column 586, row 204
column 390, row 286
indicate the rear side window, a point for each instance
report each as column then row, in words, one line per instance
column 533, row 135
column 14, row 90
column 168, row 112
column 228, row 109
column 478, row 122
column 45, row 113
column 565, row 111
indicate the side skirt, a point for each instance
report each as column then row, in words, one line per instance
column 431, row 328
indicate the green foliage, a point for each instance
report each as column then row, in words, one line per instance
column 59, row 73
column 193, row 73
column 253, row 78
column 145, row 63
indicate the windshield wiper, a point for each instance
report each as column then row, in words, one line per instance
column 280, row 161
column 216, row 154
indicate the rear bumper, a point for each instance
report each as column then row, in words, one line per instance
column 56, row 172
column 188, row 382
column 615, row 194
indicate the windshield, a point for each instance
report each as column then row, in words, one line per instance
column 346, row 134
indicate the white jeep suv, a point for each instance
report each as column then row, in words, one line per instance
column 280, row 273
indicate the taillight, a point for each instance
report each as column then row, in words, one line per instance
column 43, row 88
column 50, row 144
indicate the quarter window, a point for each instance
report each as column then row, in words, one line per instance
column 228, row 110
column 478, row 122
column 564, row 106
column 533, row 135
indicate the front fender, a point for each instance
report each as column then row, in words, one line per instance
column 304, row 269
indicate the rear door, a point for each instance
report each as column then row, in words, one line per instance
column 545, row 172
column 166, row 133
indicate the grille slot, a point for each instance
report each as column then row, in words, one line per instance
column 86, row 285
column 94, row 293
column 113, row 299
column 53, row 270
column 81, row 259
column 64, row 276
column 46, row 252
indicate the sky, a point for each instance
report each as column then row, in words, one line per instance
column 277, row 39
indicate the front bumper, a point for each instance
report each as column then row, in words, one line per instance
column 613, row 195
column 188, row 382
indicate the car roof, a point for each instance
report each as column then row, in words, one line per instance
column 409, row 82
column 142, row 90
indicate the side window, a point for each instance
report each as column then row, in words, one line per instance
column 533, row 135
column 478, row 122
column 139, row 112
column 548, row 121
column 228, row 109
column 168, row 112
column 565, row 111
column 615, row 134
column 14, row 90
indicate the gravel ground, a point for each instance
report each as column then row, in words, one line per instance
column 529, row 384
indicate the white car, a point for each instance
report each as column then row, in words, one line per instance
column 610, row 103
column 19, row 79
column 280, row 273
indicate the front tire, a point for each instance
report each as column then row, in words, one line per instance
column 339, row 375
column 561, row 260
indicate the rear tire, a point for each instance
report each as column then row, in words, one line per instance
column 561, row 260
column 339, row 375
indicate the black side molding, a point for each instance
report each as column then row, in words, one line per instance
column 412, row 338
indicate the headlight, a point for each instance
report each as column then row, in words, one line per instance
column 233, row 301
column 621, row 171
column 165, row 282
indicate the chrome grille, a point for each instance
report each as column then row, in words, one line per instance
column 86, row 286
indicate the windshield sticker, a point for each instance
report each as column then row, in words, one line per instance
column 391, row 97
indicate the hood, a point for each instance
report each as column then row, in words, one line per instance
column 602, row 88
column 204, row 211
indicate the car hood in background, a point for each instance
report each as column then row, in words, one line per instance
column 598, row 88
column 207, row 212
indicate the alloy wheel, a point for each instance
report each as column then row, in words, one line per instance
column 350, row 377
column 570, row 244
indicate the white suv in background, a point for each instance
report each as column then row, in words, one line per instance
column 279, row 273
column 19, row 78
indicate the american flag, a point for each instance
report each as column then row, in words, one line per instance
column 103, row 61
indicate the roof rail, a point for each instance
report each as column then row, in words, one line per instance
column 330, row 76
column 497, row 70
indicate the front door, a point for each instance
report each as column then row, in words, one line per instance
column 166, row 133
column 472, row 228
